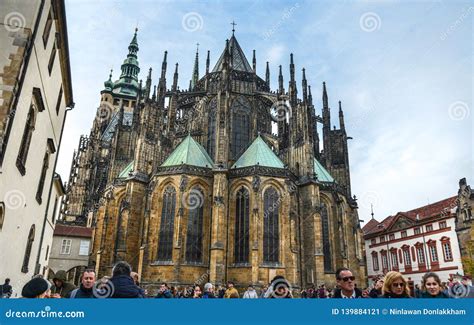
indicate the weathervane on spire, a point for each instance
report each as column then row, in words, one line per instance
column 197, row 47
column 233, row 27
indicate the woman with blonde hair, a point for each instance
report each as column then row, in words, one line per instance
column 395, row 286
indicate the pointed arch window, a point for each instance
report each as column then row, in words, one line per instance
column 29, row 245
column 240, row 126
column 242, row 226
column 195, row 223
column 326, row 238
column 211, row 128
column 271, row 233
column 165, row 241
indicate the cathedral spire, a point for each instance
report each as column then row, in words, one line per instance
column 341, row 117
column 175, row 79
column 153, row 97
column 310, row 97
column 304, row 84
column 325, row 96
column 128, row 82
column 254, row 62
column 293, row 92
column 163, row 66
column 208, row 61
column 267, row 75
column 148, row 85
column 195, row 77
column 281, row 89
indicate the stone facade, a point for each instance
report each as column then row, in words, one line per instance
column 128, row 184
column 464, row 224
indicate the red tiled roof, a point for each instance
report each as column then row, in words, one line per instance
column 437, row 209
column 369, row 225
column 72, row 231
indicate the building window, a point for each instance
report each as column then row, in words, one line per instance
column 122, row 225
column 242, row 226
column 384, row 260
column 442, row 225
column 433, row 252
column 29, row 245
column 240, row 126
column 51, row 58
column 447, row 252
column 417, row 231
column 44, row 170
column 429, row 228
column 165, row 242
column 394, row 257
column 406, row 256
column 420, row 254
column 47, row 27
column 382, row 239
column 271, row 232
column 326, row 238
column 84, row 247
column 2, row 214
column 403, row 234
column 58, row 101
column 211, row 128
column 66, row 247
column 47, row 253
column 391, row 237
column 55, row 210
column 375, row 261
column 194, row 232
column 373, row 241
column 26, row 140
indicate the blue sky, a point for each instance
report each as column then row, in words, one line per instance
column 402, row 69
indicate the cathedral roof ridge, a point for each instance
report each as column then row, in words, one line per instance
column 238, row 59
column 189, row 152
column 259, row 154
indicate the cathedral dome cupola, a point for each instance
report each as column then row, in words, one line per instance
column 128, row 82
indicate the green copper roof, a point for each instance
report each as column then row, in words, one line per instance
column 124, row 173
column 189, row 152
column 258, row 154
column 321, row 173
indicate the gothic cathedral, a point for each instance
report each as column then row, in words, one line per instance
column 222, row 181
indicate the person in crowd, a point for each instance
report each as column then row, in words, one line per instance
column 220, row 291
column 263, row 291
column 197, row 293
column 279, row 288
column 250, row 293
column 61, row 288
column 322, row 291
column 376, row 290
column 7, row 290
column 431, row 286
column 85, row 289
column 417, row 291
column 395, row 286
column 208, row 291
column 36, row 288
column 164, row 291
column 345, row 281
column 231, row 291
column 122, row 283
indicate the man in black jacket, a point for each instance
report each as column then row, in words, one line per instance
column 122, row 283
column 85, row 290
column 345, row 281
column 6, row 291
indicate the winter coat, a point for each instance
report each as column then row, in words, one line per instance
column 426, row 294
column 231, row 293
column 166, row 294
column 66, row 287
column 391, row 295
column 250, row 294
column 374, row 293
column 337, row 293
column 208, row 295
column 124, row 287
column 81, row 292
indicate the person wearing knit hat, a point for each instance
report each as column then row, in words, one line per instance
column 36, row 288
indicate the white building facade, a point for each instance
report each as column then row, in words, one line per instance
column 35, row 94
column 414, row 242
